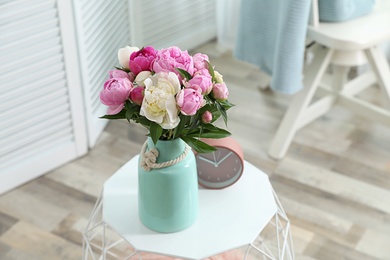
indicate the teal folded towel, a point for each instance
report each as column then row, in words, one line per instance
column 271, row 34
column 343, row 10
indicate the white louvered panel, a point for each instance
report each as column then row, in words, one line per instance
column 110, row 44
column 15, row 10
column 40, row 67
column 28, row 44
column 87, row 5
column 182, row 18
column 102, row 28
column 32, row 20
column 16, row 64
column 25, row 88
column 99, row 42
column 177, row 32
column 188, row 24
column 178, row 12
column 4, row 1
column 103, row 10
column 95, row 103
column 33, row 114
column 35, row 149
column 37, row 126
column 32, row 104
column 27, row 39
column 38, row 132
column 98, row 74
column 16, row 54
column 14, row 35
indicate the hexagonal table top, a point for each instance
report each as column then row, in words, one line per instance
column 228, row 218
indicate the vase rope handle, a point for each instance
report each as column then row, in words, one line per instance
column 149, row 158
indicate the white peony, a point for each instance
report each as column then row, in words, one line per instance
column 141, row 78
column 159, row 104
column 124, row 55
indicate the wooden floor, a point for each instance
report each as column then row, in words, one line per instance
column 334, row 182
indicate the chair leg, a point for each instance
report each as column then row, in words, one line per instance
column 291, row 121
column 339, row 77
column 381, row 69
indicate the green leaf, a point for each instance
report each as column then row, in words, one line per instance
column 155, row 131
column 210, row 127
column 129, row 115
column 205, row 108
column 143, row 121
column 226, row 104
column 194, row 121
column 120, row 115
column 184, row 74
column 222, row 110
column 198, row 145
column 216, row 135
column 124, row 69
column 129, row 112
column 211, row 70
column 201, row 129
column 213, row 109
column 210, row 132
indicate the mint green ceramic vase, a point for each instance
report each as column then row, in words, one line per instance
column 168, row 197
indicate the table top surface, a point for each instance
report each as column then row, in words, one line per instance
column 228, row 218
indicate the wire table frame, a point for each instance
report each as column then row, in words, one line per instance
column 100, row 242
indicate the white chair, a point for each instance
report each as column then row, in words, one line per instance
column 343, row 45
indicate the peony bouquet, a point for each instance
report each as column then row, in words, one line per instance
column 168, row 91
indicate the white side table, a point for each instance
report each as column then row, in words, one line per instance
column 246, row 216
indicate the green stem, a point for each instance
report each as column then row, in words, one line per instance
column 170, row 134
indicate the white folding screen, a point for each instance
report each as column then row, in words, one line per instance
column 55, row 56
column 41, row 120
column 185, row 23
column 102, row 28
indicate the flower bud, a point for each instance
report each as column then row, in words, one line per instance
column 218, row 77
column 137, row 95
column 200, row 61
column 207, row 117
column 220, row 91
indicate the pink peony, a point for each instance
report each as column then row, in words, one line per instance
column 220, row 91
column 207, row 117
column 137, row 95
column 119, row 74
column 170, row 58
column 189, row 101
column 203, row 72
column 142, row 60
column 115, row 92
column 202, row 82
column 200, row 61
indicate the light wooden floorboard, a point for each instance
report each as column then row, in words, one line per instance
column 334, row 182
